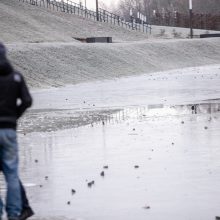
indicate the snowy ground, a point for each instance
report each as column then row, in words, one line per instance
column 21, row 22
column 180, row 86
column 153, row 104
column 59, row 64
column 95, row 101
column 167, row 125
column 176, row 32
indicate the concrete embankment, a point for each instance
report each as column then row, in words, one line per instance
column 22, row 22
column 57, row 64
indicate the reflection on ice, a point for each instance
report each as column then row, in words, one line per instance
column 52, row 120
column 57, row 119
column 166, row 124
column 178, row 165
column 165, row 110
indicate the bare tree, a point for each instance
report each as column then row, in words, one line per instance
column 148, row 6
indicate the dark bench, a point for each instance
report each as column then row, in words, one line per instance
column 99, row 40
column 209, row 35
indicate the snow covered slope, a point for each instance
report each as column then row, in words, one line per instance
column 41, row 46
column 21, row 22
column 57, row 64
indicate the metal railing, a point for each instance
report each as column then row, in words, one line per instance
column 105, row 16
column 136, row 24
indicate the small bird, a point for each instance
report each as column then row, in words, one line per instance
column 136, row 166
column 36, row 161
column 46, row 177
column 91, row 183
column 102, row 173
column 105, row 167
column 146, row 207
column 73, row 191
column 68, row 203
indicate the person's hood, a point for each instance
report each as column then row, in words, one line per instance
column 2, row 51
column 5, row 67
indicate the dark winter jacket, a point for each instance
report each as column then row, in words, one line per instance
column 14, row 95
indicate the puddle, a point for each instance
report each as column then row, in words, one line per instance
column 178, row 165
column 160, row 110
column 163, row 159
column 47, row 120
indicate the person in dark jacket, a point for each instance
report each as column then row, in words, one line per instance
column 14, row 100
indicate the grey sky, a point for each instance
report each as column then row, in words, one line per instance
column 91, row 3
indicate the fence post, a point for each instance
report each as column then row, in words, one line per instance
column 86, row 14
column 53, row 5
column 100, row 15
column 71, row 7
column 67, row 7
column 63, row 7
column 57, row 5
column 104, row 15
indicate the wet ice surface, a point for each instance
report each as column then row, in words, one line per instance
column 44, row 120
column 172, row 87
column 178, row 171
column 166, row 124
column 82, row 104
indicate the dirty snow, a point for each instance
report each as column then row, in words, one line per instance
column 22, row 22
column 148, row 109
column 90, row 102
column 58, row 64
column 167, row 125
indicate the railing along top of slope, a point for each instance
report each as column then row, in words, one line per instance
column 70, row 7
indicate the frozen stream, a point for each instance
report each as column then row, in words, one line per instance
column 166, row 124
column 172, row 87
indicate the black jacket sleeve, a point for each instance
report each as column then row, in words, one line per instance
column 25, row 97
